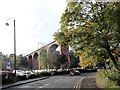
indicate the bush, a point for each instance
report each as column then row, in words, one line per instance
column 8, row 77
column 114, row 76
column 59, row 72
column 108, row 78
column 45, row 73
column 38, row 74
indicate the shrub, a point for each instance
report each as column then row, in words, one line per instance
column 45, row 73
column 108, row 78
column 59, row 72
column 38, row 74
column 8, row 77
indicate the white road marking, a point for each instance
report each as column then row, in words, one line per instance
column 44, row 85
column 57, row 80
column 78, row 84
column 24, row 86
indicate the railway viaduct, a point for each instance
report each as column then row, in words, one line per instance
column 33, row 58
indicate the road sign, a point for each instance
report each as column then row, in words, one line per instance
column 8, row 64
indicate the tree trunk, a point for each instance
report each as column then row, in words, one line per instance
column 112, row 57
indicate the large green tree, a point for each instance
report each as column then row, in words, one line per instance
column 92, row 28
column 43, row 59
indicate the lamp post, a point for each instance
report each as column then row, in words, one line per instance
column 7, row 24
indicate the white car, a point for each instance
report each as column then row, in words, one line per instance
column 20, row 74
column 29, row 74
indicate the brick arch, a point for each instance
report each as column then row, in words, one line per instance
column 35, row 60
column 25, row 57
column 30, row 65
column 30, row 57
column 35, row 55
column 52, row 48
column 50, row 52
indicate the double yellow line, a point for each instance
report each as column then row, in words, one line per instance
column 78, row 84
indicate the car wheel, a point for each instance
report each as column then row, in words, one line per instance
column 72, row 74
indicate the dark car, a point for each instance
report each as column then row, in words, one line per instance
column 74, row 72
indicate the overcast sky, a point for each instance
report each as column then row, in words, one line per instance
column 36, row 21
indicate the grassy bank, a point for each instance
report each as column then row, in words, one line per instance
column 109, row 78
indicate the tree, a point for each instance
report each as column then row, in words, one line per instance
column 43, row 59
column 56, row 60
column 23, row 61
column 74, row 60
column 63, row 60
column 91, row 28
column 4, row 66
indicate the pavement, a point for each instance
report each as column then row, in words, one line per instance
column 21, row 82
column 83, row 84
column 88, row 82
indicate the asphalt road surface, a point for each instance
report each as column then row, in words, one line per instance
column 57, row 82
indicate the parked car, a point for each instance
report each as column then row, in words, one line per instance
column 20, row 74
column 74, row 72
column 30, row 74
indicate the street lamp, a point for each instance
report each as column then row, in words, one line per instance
column 7, row 24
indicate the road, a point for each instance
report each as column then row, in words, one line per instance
column 58, row 81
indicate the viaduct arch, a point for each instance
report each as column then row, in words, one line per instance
column 34, row 57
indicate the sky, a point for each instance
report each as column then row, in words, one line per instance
column 36, row 22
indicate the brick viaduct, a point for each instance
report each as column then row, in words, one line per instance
column 33, row 57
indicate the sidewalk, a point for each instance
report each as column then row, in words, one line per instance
column 88, row 82
column 21, row 82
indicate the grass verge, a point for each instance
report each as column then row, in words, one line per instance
column 109, row 78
